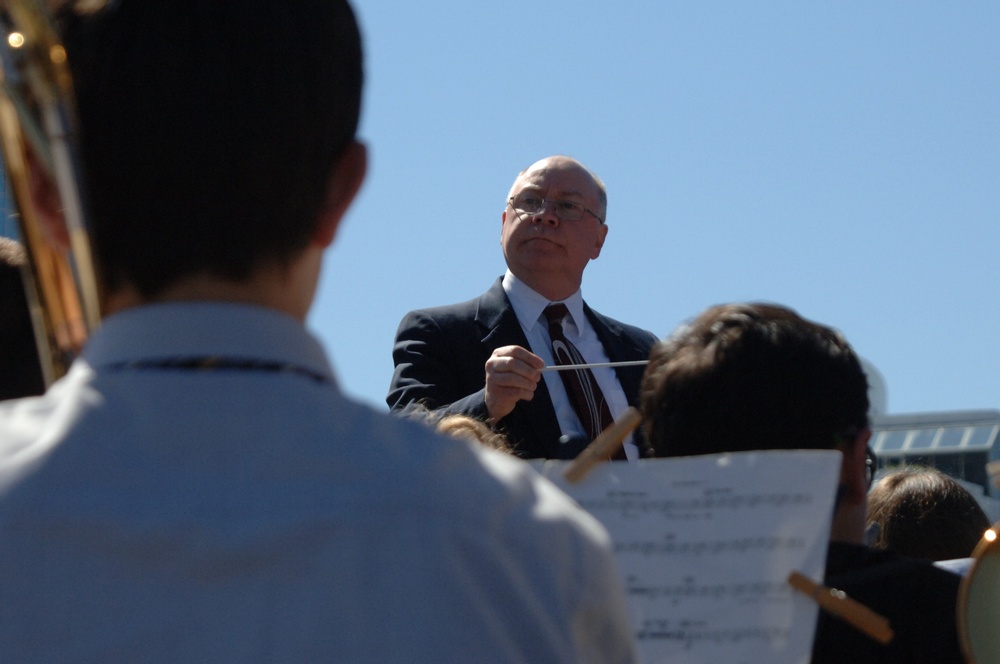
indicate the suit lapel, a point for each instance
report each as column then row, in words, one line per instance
column 497, row 320
column 620, row 346
column 531, row 422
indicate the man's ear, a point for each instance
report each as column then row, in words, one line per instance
column 601, row 237
column 853, row 473
column 344, row 183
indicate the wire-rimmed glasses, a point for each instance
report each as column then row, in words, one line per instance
column 529, row 203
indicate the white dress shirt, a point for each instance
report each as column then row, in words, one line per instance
column 528, row 306
column 251, row 513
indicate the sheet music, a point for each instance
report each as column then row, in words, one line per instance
column 705, row 545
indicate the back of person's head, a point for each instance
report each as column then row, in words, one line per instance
column 923, row 513
column 473, row 430
column 20, row 369
column 456, row 425
column 209, row 130
column 749, row 377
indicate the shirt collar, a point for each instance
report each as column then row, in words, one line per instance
column 178, row 330
column 528, row 305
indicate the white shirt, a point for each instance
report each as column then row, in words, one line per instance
column 529, row 306
column 253, row 513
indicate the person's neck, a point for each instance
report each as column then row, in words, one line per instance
column 285, row 288
column 849, row 523
column 552, row 289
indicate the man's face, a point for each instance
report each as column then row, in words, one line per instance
column 548, row 253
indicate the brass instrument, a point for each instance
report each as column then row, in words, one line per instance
column 978, row 618
column 38, row 134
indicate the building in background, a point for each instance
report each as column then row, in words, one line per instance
column 962, row 444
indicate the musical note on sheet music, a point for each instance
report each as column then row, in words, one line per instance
column 714, row 547
column 705, row 505
column 690, row 635
column 705, row 546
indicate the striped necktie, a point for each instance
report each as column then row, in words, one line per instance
column 584, row 393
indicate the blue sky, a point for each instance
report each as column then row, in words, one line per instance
column 839, row 158
column 842, row 159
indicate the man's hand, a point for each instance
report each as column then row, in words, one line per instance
column 512, row 373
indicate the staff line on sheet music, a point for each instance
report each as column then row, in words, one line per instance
column 595, row 365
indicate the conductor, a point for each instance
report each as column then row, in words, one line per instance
column 485, row 357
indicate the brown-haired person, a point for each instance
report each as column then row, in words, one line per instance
column 746, row 377
column 457, row 425
column 469, row 428
column 924, row 513
column 197, row 488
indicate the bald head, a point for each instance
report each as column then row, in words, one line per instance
column 563, row 162
column 553, row 225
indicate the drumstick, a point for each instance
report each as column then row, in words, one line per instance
column 839, row 604
column 603, row 446
column 596, row 365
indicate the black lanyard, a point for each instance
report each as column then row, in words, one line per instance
column 218, row 363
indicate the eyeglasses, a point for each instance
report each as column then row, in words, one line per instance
column 871, row 459
column 871, row 465
column 565, row 210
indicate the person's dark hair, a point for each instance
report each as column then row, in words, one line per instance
column 20, row 367
column 750, row 377
column 209, row 130
column 923, row 513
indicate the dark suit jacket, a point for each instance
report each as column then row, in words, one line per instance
column 918, row 599
column 440, row 356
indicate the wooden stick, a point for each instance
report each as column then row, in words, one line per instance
column 596, row 365
column 603, row 446
column 839, row 604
